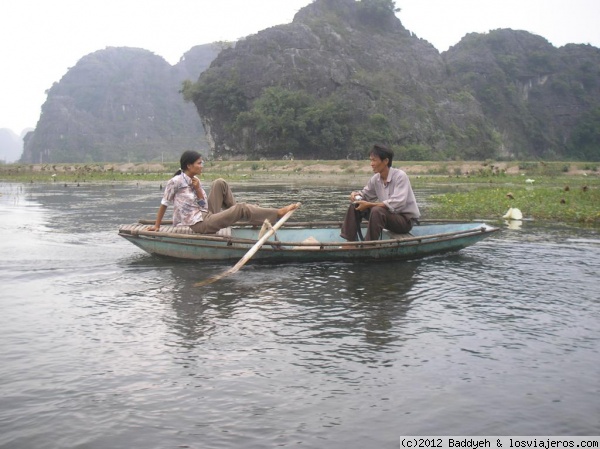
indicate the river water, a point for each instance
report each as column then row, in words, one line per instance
column 103, row 346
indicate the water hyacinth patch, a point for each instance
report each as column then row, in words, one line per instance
column 578, row 204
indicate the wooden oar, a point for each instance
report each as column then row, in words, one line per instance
column 250, row 252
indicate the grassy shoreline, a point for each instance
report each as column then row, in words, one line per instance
column 261, row 169
column 560, row 191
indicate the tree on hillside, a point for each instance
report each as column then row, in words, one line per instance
column 285, row 121
column 585, row 140
column 375, row 12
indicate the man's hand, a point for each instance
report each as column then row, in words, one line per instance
column 362, row 205
column 355, row 196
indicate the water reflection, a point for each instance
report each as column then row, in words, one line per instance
column 384, row 300
column 513, row 225
column 198, row 311
column 341, row 306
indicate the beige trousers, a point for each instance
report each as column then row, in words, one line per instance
column 223, row 211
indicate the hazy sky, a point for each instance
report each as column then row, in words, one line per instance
column 41, row 39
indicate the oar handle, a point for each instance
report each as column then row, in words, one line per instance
column 251, row 251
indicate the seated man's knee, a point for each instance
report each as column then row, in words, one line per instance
column 378, row 211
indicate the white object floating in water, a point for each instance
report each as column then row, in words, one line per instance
column 513, row 214
column 530, row 181
column 515, row 225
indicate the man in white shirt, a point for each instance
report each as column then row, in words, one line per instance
column 387, row 201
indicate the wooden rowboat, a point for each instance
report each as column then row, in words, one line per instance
column 303, row 241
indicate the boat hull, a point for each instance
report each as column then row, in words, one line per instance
column 302, row 242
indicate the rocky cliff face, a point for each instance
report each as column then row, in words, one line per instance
column 120, row 104
column 533, row 93
column 371, row 67
column 503, row 94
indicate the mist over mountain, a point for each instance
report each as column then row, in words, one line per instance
column 11, row 146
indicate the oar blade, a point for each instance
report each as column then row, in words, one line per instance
column 212, row 279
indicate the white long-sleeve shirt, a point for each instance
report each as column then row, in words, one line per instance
column 395, row 192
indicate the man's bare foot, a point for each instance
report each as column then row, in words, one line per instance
column 284, row 210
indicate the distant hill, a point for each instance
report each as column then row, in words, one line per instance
column 120, row 104
column 11, row 146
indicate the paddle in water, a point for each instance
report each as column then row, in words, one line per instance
column 251, row 251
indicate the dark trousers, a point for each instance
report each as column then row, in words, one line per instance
column 380, row 218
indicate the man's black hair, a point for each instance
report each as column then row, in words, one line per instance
column 382, row 152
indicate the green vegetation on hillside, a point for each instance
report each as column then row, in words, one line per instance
column 290, row 121
column 585, row 140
